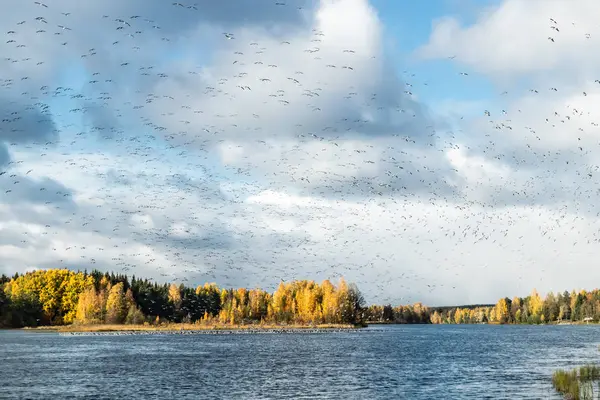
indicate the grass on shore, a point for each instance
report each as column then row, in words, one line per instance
column 186, row 327
column 576, row 384
column 40, row 328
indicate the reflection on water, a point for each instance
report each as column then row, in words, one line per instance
column 412, row 362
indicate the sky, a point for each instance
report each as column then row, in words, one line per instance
column 444, row 152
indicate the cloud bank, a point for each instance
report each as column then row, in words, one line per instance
column 249, row 144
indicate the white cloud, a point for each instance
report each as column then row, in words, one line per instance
column 338, row 172
column 512, row 39
column 260, row 85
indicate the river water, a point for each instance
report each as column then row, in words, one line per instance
column 383, row 362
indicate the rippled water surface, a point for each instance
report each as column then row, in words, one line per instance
column 395, row 362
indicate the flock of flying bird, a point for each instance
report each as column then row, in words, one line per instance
column 157, row 200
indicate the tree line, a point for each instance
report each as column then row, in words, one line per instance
column 534, row 309
column 62, row 296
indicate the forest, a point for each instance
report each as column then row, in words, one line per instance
column 582, row 306
column 61, row 297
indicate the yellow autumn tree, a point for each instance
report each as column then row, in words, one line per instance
column 89, row 307
column 502, row 312
column 329, row 302
column 257, row 304
column 134, row 315
column 306, row 303
column 116, row 308
column 281, row 303
column 492, row 315
column 103, row 291
column 514, row 307
column 472, row 316
column 175, row 296
column 57, row 291
column 436, row 318
column 458, row 316
column 535, row 303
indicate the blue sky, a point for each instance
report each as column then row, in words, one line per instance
column 408, row 26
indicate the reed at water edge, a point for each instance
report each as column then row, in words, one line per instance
column 576, row 384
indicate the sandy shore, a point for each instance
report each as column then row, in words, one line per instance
column 194, row 328
column 212, row 332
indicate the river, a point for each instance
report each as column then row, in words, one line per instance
column 383, row 362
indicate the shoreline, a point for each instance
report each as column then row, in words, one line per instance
column 192, row 328
column 211, row 332
column 249, row 328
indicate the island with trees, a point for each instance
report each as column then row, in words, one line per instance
column 94, row 301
